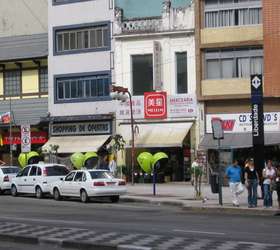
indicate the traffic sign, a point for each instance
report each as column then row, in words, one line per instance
column 25, row 139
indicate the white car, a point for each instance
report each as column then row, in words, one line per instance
column 89, row 183
column 37, row 178
column 6, row 175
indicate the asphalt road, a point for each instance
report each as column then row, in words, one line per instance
column 139, row 218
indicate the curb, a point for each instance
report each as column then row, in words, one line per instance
column 203, row 209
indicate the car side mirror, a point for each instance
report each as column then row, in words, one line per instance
column 62, row 179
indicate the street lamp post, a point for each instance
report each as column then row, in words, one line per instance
column 119, row 93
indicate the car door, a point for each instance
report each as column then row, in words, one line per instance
column 77, row 183
column 66, row 184
column 22, row 181
column 31, row 180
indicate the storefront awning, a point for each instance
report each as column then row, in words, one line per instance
column 237, row 140
column 156, row 135
column 72, row 144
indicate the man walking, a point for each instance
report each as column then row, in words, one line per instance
column 196, row 169
column 234, row 173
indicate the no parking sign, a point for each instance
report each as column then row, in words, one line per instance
column 25, row 139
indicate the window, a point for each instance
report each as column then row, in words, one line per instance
column 220, row 13
column 56, row 171
column 39, row 172
column 43, row 80
column 182, row 74
column 13, row 170
column 100, row 175
column 70, row 176
column 83, row 88
column 12, row 82
column 142, row 67
column 82, row 39
column 25, row 171
column 239, row 63
column 33, row 171
column 78, row 176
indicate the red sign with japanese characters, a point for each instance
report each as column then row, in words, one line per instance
column 155, row 105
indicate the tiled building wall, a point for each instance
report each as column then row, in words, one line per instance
column 271, row 10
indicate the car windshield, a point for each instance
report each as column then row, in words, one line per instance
column 10, row 170
column 100, row 174
column 56, row 170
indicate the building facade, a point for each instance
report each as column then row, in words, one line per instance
column 23, row 74
column 155, row 56
column 233, row 42
column 80, row 73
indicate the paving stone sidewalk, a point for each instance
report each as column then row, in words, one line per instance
column 182, row 194
column 84, row 238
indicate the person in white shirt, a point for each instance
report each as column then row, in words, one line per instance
column 196, row 170
column 269, row 175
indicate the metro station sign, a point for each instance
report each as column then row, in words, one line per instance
column 155, row 106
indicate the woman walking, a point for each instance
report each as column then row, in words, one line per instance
column 251, row 182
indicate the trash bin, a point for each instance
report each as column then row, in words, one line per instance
column 214, row 182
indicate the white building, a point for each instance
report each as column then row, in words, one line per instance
column 157, row 53
column 80, row 73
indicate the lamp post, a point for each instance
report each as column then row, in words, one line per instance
column 122, row 94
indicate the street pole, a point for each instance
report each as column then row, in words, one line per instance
column 11, row 140
column 220, row 174
column 132, row 138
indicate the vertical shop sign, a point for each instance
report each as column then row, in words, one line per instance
column 155, row 105
column 257, row 121
column 25, row 139
column 157, row 66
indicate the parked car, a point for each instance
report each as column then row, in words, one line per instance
column 37, row 178
column 6, row 175
column 89, row 183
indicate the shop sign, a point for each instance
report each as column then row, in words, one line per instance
column 82, row 128
column 25, row 138
column 36, row 138
column 155, row 106
column 183, row 105
column 178, row 106
column 242, row 122
column 123, row 109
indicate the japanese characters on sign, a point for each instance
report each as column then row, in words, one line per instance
column 155, row 105
column 181, row 105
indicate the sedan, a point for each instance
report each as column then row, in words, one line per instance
column 7, row 173
column 89, row 183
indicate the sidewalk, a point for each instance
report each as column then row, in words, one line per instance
column 182, row 194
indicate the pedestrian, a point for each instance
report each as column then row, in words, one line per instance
column 112, row 164
column 233, row 173
column 277, row 179
column 196, row 170
column 269, row 175
column 251, row 182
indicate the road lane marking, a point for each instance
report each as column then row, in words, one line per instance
column 197, row 232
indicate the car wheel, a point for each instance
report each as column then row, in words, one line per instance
column 14, row 190
column 39, row 193
column 84, row 196
column 115, row 199
column 56, row 194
